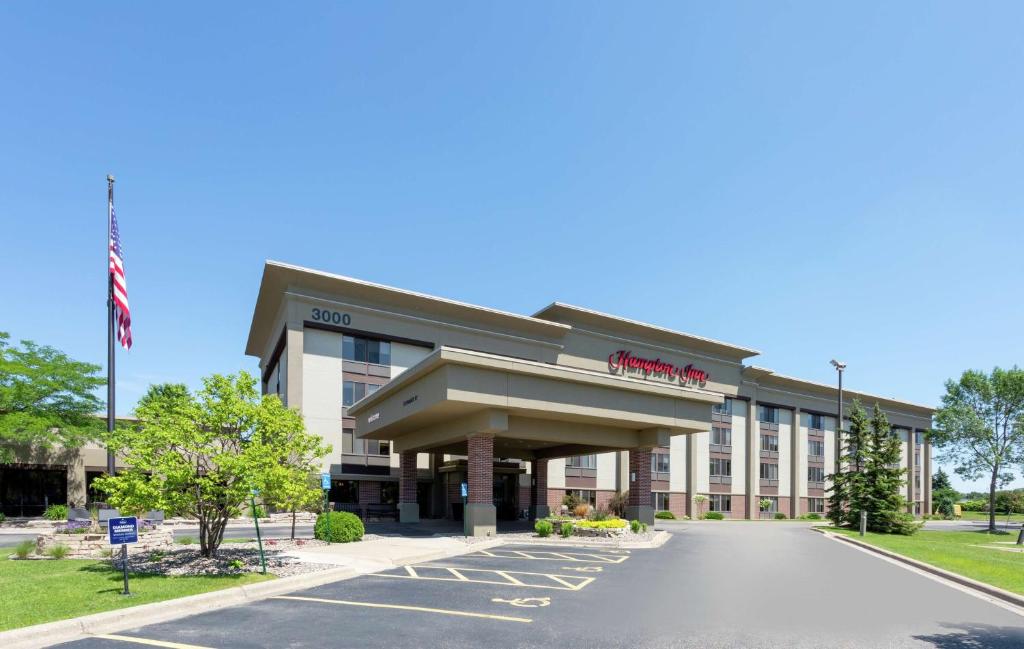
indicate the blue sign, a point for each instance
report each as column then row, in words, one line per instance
column 325, row 480
column 465, row 490
column 123, row 530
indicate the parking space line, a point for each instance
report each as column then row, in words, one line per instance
column 516, row 578
column 403, row 607
column 586, row 557
column 147, row 641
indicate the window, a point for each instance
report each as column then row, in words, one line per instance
column 769, row 471
column 917, row 458
column 815, row 505
column 388, row 493
column 659, row 501
column 815, row 474
column 365, row 350
column 721, row 467
column 816, row 447
column 768, row 414
column 720, row 503
column 721, row 436
column 770, row 443
column 344, row 491
column 583, row 495
column 659, row 462
column 816, row 422
column 724, row 408
column 352, row 445
column 917, row 481
column 919, row 438
column 352, row 391
column 582, row 462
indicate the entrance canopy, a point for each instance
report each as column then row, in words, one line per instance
column 533, row 410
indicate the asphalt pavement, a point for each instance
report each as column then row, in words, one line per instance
column 712, row 585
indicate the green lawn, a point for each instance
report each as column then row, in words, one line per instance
column 43, row 591
column 957, row 552
column 1000, row 518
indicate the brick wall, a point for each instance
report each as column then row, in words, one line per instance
column 407, row 477
column 369, row 492
column 640, row 466
column 677, row 503
column 481, row 469
column 539, row 478
column 603, row 498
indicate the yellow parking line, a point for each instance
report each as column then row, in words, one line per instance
column 147, row 641
column 411, row 571
column 403, row 607
column 508, row 578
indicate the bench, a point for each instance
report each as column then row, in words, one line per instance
column 351, row 508
column 381, row 511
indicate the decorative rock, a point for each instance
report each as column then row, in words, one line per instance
column 92, row 545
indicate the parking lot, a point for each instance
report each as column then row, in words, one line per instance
column 476, row 599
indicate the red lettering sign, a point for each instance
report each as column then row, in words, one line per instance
column 623, row 361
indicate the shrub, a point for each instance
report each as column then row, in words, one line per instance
column 157, row 555
column 665, row 515
column 714, row 516
column 344, row 527
column 543, row 528
column 779, row 516
column 258, row 512
column 185, row 540
column 617, row 503
column 2, row 517
column 236, row 564
column 566, row 530
column 813, row 516
column 56, row 513
column 23, row 549
column 570, row 501
column 599, row 515
column 581, row 510
column 611, row 523
column 894, row 522
column 58, row 551
column 978, row 505
column 635, row 526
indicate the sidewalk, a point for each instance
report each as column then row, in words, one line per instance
column 381, row 554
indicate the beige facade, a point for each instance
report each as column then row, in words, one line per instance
column 574, row 388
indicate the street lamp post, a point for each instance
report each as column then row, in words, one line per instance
column 840, row 366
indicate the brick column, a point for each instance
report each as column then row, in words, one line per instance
column 639, row 504
column 480, row 516
column 408, row 507
column 539, row 490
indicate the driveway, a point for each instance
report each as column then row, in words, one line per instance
column 712, row 585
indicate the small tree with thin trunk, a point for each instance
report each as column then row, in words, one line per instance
column 200, row 455
column 980, row 428
column 699, row 500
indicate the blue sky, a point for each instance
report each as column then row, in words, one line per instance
column 810, row 181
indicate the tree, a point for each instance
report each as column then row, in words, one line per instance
column 846, row 493
column 941, row 481
column 883, row 477
column 46, row 398
column 699, row 500
column 296, row 488
column 980, row 428
column 200, row 455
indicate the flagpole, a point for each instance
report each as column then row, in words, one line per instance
column 110, row 331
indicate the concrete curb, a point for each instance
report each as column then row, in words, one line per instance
column 967, row 582
column 51, row 633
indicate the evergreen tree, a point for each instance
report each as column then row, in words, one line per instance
column 941, row 481
column 883, row 478
column 847, row 493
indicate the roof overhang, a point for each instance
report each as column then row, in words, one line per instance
column 532, row 409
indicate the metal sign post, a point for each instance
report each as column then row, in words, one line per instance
column 259, row 539
column 123, row 531
column 464, row 489
column 325, row 484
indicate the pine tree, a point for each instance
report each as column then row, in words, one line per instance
column 847, row 493
column 883, row 478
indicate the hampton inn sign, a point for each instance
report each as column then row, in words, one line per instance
column 624, row 361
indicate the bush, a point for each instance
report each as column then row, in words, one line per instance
column 58, row 551
column 779, row 516
column 185, row 540
column 635, row 526
column 599, row 515
column 236, row 564
column 894, row 522
column 617, row 503
column 543, row 528
column 258, row 512
column 2, row 517
column 581, row 510
column 566, row 530
column 344, row 527
column 570, row 501
column 978, row 505
column 813, row 516
column 56, row 513
column 665, row 515
column 714, row 516
column 23, row 549
column 611, row 523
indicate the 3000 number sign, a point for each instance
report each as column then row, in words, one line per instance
column 333, row 317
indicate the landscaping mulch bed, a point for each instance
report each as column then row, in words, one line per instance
column 599, row 541
column 185, row 559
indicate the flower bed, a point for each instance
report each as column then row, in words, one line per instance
column 85, row 542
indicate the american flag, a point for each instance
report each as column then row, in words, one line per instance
column 119, row 286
